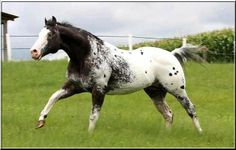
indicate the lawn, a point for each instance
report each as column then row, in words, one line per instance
column 126, row 121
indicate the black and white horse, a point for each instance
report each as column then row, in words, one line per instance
column 100, row 68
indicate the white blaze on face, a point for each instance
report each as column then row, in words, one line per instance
column 41, row 41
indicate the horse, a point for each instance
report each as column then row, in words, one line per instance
column 98, row 67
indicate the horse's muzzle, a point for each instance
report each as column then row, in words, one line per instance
column 35, row 54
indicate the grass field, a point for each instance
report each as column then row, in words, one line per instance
column 125, row 121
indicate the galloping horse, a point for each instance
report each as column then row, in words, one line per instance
column 100, row 68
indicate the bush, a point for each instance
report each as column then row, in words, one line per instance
column 220, row 44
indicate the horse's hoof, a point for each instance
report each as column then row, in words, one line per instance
column 40, row 124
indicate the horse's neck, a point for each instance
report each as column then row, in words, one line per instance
column 74, row 44
column 99, row 48
column 83, row 47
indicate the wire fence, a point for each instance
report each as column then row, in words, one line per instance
column 101, row 36
column 20, row 44
column 20, row 51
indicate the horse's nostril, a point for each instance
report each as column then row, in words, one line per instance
column 36, row 54
column 34, row 51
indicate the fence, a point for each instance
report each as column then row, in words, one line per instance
column 22, row 52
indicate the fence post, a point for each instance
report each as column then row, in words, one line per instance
column 8, row 47
column 184, row 42
column 130, row 42
column 4, row 41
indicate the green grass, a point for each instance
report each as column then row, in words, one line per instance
column 126, row 121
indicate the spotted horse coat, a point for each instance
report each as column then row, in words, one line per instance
column 102, row 69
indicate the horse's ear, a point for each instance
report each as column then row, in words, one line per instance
column 54, row 20
column 46, row 22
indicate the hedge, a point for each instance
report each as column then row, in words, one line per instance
column 220, row 44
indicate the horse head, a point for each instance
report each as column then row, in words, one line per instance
column 48, row 41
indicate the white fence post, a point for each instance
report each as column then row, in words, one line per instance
column 8, row 46
column 184, row 42
column 130, row 42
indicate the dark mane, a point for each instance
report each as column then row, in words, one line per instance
column 66, row 24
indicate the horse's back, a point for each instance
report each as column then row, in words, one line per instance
column 149, row 65
column 156, row 60
column 166, row 69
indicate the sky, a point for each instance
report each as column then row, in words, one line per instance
column 148, row 19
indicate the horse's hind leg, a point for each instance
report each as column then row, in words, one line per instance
column 182, row 97
column 157, row 94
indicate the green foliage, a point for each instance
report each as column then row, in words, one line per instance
column 169, row 44
column 220, row 44
column 126, row 121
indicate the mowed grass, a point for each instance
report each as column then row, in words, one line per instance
column 126, row 121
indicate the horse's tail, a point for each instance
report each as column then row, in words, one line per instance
column 189, row 52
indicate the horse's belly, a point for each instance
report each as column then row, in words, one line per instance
column 140, row 81
column 126, row 89
column 121, row 91
column 142, row 76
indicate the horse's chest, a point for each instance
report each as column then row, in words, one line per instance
column 78, row 80
column 96, row 76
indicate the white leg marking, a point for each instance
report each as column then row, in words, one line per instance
column 55, row 96
column 197, row 124
column 93, row 119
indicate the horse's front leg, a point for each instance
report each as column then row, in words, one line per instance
column 67, row 90
column 97, row 101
